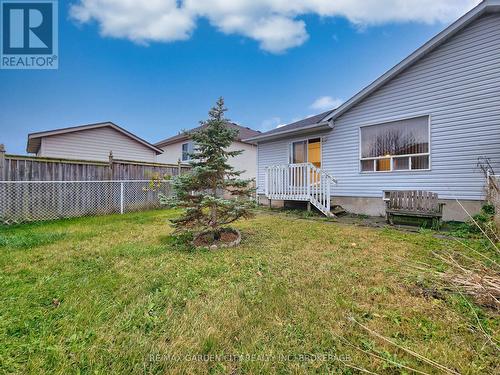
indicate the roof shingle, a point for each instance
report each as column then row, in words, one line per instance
column 244, row 133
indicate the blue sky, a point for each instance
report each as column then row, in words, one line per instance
column 156, row 88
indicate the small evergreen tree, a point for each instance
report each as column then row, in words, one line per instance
column 201, row 191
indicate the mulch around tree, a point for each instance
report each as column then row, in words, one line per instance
column 227, row 238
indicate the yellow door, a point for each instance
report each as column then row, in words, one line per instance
column 314, row 152
column 314, row 157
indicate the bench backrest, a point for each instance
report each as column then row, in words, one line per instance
column 413, row 200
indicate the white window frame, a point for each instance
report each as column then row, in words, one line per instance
column 392, row 157
column 189, row 152
column 290, row 148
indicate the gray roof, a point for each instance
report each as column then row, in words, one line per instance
column 244, row 133
column 34, row 139
column 486, row 6
column 297, row 125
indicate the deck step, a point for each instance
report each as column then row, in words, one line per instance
column 324, row 210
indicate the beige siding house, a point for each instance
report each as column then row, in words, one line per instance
column 92, row 142
column 178, row 147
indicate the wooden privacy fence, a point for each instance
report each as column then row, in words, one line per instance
column 32, row 168
column 38, row 188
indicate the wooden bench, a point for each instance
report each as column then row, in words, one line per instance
column 414, row 203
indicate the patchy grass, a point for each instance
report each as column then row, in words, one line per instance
column 29, row 239
column 116, row 295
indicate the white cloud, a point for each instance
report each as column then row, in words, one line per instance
column 138, row 21
column 271, row 123
column 275, row 24
column 277, row 34
column 324, row 103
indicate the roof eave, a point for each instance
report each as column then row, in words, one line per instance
column 167, row 142
column 186, row 136
column 184, row 139
column 323, row 125
column 483, row 7
column 33, row 146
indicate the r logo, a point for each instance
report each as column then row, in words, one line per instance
column 29, row 29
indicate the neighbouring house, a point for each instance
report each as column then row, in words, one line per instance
column 420, row 126
column 92, row 142
column 178, row 148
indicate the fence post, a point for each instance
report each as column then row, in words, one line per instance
column 266, row 181
column 111, row 165
column 2, row 162
column 179, row 169
column 121, row 198
column 488, row 187
column 308, row 180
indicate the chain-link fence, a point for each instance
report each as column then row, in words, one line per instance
column 22, row 201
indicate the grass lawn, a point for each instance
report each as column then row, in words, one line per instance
column 113, row 294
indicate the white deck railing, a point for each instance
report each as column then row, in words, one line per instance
column 300, row 182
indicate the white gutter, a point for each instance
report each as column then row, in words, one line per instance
column 323, row 125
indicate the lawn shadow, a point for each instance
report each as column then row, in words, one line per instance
column 178, row 242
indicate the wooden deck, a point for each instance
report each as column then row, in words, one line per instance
column 300, row 182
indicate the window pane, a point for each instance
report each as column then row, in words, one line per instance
column 367, row 165
column 383, row 164
column 401, row 164
column 186, row 151
column 299, row 152
column 420, row 162
column 403, row 137
column 314, row 152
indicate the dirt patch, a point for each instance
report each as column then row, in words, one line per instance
column 419, row 290
column 228, row 238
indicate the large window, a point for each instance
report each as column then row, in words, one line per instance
column 395, row 146
column 187, row 149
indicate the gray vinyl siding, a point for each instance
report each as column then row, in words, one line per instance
column 458, row 86
column 95, row 144
column 268, row 154
column 277, row 153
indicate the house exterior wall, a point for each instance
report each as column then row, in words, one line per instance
column 95, row 144
column 278, row 153
column 247, row 161
column 171, row 153
column 458, row 86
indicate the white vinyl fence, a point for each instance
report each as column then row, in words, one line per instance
column 22, row 201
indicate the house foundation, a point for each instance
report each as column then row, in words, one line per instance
column 452, row 211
